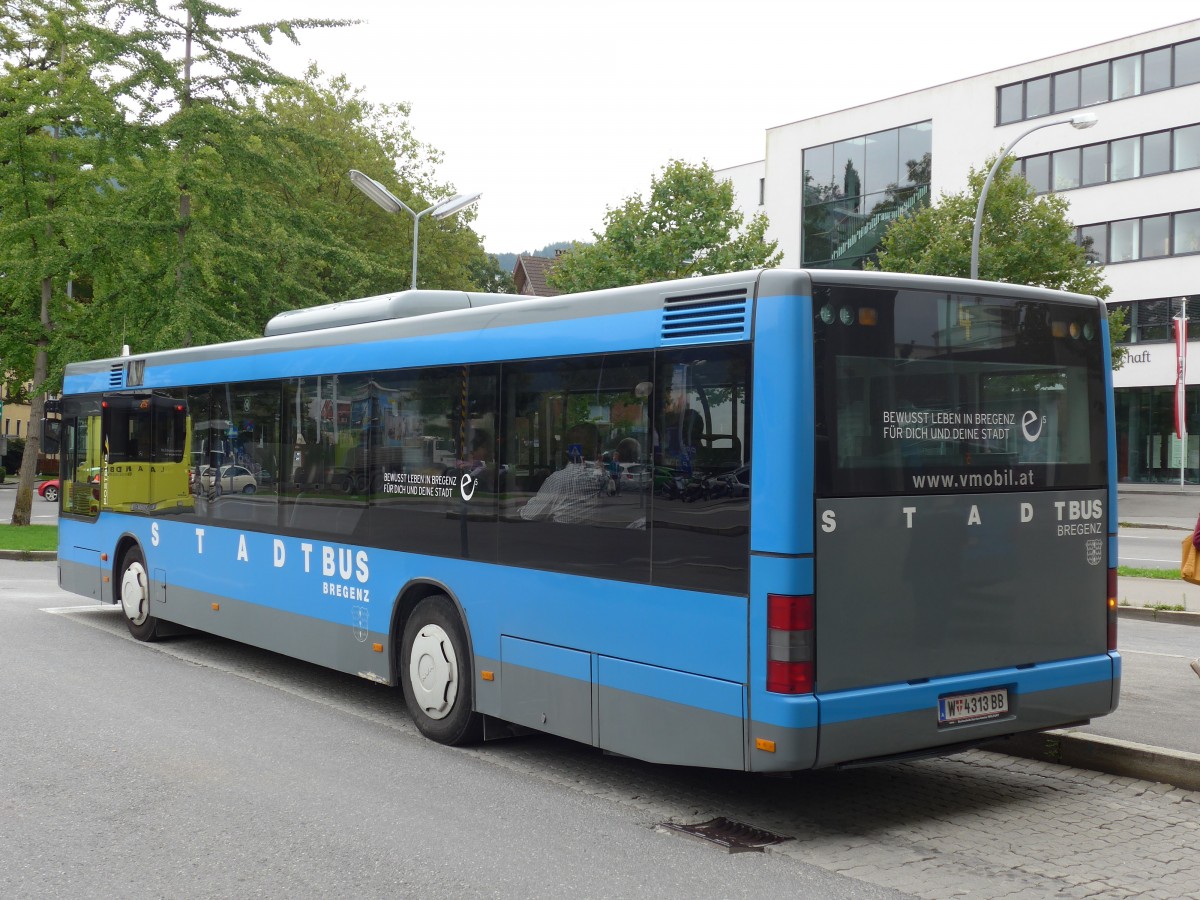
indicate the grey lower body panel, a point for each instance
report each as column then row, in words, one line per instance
column 341, row 647
column 85, row 580
column 585, row 709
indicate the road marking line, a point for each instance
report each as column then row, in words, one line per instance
column 1152, row 653
column 94, row 607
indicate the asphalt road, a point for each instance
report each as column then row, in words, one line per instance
column 42, row 512
column 1149, row 548
column 1160, row 694
column 200, row 767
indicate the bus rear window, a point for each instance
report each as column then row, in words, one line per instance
column 920, row 392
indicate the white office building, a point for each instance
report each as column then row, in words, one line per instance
column 831, row 185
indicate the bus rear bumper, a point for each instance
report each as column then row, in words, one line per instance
column 902, row 720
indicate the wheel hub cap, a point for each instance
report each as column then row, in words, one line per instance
column 433, row 671
column 134, row 594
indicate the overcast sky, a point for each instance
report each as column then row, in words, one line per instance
column 559, row 110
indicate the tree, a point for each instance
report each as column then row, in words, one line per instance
column 53, row 116
column 81, row 108
column 1024, row 239
column 197, row 108
column 687, row 226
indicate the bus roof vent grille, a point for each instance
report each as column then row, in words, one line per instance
column 116, row 376
column 711, row 315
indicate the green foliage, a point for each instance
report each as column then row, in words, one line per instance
column 687, row 226
column 1024, row 239
column 213, row 193
column 162, row 185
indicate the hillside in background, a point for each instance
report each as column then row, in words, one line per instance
column 508, row 261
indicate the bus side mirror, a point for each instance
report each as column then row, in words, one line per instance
column 51, row 435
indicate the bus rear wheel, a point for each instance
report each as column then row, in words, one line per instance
column 135, row 596
column 435, row 673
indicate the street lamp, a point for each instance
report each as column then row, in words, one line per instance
column 1081, row 121
column 393, row 204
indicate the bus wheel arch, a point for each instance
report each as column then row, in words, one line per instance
column 434, row 664
column 132, row 590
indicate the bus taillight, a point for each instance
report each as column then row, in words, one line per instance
column 789, row 644
column 1112, row 609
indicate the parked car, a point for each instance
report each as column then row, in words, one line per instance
column 636, row 476
column 52, row 489
column 229, row 480
column 732, row 484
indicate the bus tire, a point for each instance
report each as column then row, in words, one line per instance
column 134, row 586
column 435, row 672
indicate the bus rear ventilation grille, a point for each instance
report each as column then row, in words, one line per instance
column 116, row 376
column 712, row 314
column 735, row 837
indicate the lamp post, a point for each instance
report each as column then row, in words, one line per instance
column 393, row 204
column 1083, row 120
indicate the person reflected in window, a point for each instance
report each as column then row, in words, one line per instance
column 480, row 464
column 571, row 494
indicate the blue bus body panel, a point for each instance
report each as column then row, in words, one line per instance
column 781, row 514
column 348, row 586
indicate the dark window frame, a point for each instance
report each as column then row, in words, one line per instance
column 1141, row 151
column 1055, row 109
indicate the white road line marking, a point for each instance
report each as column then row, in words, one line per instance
column 91, row 607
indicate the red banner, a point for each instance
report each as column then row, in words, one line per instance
column 1180, row 377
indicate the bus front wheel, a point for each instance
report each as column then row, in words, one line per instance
column 436, row 675
column 135, row 596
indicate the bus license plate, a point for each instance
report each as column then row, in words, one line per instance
column 968, row 707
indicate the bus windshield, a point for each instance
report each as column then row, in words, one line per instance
column 922, row 392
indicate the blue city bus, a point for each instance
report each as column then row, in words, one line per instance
column 768, row 521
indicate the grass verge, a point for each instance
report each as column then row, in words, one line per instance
column 1131, row 572
column 28, row 537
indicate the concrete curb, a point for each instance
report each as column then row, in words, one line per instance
column 28, row 555
column 1150, row 614
column 1104, row 754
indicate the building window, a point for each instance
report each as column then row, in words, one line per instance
column 1150, row 237
column 1037, row 172
column 1066, row 169
column 1187, row 63
column 1138, row 156
column 1094, row 240
column 1187, row 147
column 1150, row 320
column 1126, row 159
column 855, row 188
column 762, row 191
column 1187, row 233
column 1128, row 76
column 1095, row 164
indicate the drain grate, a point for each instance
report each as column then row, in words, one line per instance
column 736, row 837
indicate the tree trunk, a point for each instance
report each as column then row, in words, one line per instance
column 23, row 507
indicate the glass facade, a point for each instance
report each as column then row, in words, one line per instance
column 855, row 188
column 1148, row 451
